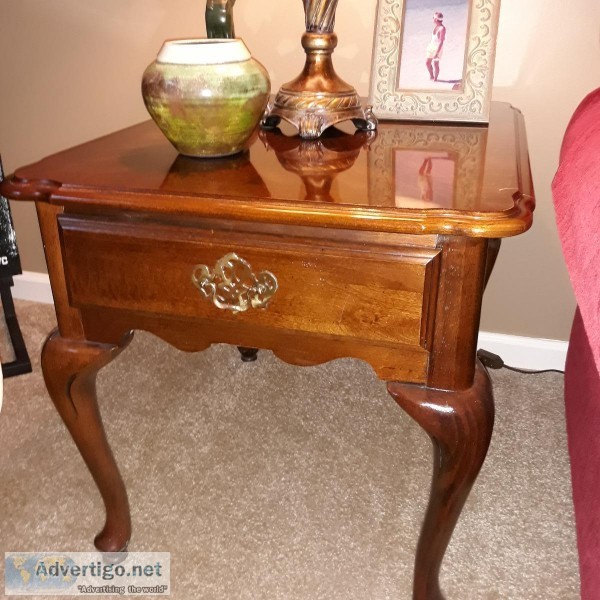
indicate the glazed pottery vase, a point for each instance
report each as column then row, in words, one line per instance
column 206, row 95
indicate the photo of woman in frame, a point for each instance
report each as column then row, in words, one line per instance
column 433, row 54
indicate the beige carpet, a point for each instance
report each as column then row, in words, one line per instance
column 267, row 481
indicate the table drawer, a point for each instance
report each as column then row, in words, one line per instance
column 337, row 288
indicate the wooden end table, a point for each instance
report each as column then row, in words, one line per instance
column 372, row 247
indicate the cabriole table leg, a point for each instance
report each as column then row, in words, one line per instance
column 460, row 425
column 70, row 368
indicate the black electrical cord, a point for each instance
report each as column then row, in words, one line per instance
column 493, row 361
column 527, row 372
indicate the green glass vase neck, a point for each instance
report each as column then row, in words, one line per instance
column 219, row 19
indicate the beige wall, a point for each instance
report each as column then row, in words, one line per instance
column 70, row 71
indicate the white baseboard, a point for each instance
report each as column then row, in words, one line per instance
column 33, row 286
column 516, row 351
column 525, row 352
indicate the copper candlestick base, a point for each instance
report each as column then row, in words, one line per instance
column 318, row 98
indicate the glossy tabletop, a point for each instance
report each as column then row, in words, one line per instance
column 407, row 178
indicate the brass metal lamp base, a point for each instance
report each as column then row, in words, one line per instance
column 318, row 98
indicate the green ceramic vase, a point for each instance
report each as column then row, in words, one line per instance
column 206, row 95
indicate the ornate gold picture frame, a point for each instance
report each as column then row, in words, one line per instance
column 433, row 60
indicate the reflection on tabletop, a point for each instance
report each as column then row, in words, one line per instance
column 424, row 179
column 207, row 175
column 317, row 162
column 404, row 166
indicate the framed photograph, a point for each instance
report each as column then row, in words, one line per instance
column 428, row 169
column 433, row 60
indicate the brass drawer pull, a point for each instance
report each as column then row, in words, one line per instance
column 233, row 286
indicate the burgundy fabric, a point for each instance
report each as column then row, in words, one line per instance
column 576, row 191
column 582, row 403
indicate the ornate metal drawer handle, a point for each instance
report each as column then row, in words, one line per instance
column 233, row 286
